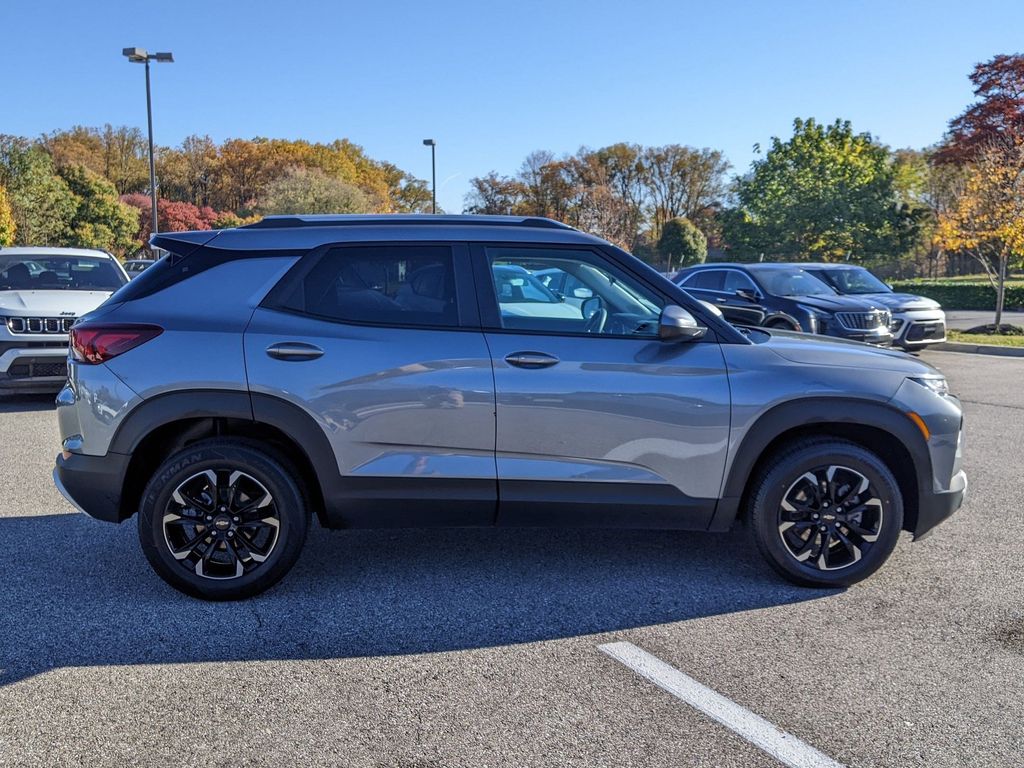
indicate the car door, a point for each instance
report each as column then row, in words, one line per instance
column 380, row 344
column 598, row 421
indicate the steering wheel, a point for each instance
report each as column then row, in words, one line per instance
column 596, row 322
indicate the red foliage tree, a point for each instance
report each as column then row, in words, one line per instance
column 996, row 118
column 172, row 216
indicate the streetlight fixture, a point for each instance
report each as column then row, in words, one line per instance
column 140, row 56
column 433, row 174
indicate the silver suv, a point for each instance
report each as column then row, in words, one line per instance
column 42, row 292
column 378, row 371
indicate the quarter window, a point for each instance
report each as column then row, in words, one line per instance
column 706, row 280
column 380, row 285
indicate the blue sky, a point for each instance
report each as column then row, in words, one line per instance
column 494, row 81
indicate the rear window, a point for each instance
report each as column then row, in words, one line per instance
column 706, row 280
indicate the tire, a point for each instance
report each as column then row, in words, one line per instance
column 783, row 502
column 221, row 555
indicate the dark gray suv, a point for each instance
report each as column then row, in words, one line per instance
column 377, row 371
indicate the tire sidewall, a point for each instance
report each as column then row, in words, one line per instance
column 780, row 478
column 270, row 471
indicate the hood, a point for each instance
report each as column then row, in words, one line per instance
column 895, row 301
column 50, row 303
column 837, row 303
column 809, row 349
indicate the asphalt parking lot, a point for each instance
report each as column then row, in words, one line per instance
column 481, row 648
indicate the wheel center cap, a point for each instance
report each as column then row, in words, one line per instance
column 830, row 518
column 222, row 523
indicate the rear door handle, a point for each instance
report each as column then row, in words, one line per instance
column 531, row 360
column 294, row 351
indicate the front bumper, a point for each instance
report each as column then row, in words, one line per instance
column 93, row 483
column 936, row 506
column 33, row 369
column 913, row 330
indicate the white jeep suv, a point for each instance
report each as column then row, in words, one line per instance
column 42, row 292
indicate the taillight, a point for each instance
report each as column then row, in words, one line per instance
column 94, row 344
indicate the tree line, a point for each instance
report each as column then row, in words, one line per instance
column 89, row 187
column 825, row 193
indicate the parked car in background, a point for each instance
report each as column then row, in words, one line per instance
column 135, row 267
column 789, row 297
column 916, row 321
column 42, row 292
column 382, row 371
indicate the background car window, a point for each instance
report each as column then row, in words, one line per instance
column 381, row 285
column 706, row 280
column 791, row 282
column 736, row 281
column 603, row 299
column 852, row 281
column 54, row 273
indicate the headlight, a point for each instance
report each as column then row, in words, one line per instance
column 936, row 384
column 818, row 318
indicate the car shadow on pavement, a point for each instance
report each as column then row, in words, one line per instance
column 27, row 403
column 80, row 593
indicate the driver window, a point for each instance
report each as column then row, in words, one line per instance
column 570, row 291
column 735, row 281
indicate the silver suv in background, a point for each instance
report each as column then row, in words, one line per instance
column 381, row 371
column 916, row 321
column 42, row 292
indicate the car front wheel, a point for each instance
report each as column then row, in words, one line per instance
column 825, row 512
column 223, row 519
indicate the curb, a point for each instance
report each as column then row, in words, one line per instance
column 978, row 349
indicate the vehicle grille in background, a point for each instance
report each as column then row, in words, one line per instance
column 922, row 331
column 32, row 369
column 40, row 324
column 864, row 321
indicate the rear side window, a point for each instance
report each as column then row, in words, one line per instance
column 405, row 285
column 736, row 281
column 706, row 280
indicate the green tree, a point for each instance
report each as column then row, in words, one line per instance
column 100, row 220
column 309, row 190
column 7, row 225
column 681, row 244
column 40, row 200
column 825, row 194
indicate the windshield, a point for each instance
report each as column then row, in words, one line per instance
column 517, row 286
column 58, row 272
column 852, row 280
column 782, row 281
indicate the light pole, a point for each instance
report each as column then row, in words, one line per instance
column 139, row 56
column 433, row 174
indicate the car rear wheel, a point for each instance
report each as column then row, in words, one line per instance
column 223, row 519
column 825, row 512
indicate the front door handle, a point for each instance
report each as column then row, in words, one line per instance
column 531, row 360
column 294, row 351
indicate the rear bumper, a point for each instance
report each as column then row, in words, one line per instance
column 93, row 483
column 936, row 506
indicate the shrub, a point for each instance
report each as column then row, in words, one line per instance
column 963, row 295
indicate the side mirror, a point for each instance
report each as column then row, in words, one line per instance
column 582, row 293
column 746, row 293
column 590, row 307
column 676, row 324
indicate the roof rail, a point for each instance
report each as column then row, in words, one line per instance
column 328, row 220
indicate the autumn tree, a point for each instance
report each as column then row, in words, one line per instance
column 824, row 194
column 682, row 182
column 310, row 190
column 996, row 119
column 7, row 225
column 988, row 219
column 172, row 215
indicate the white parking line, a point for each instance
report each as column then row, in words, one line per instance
column 784, row 747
